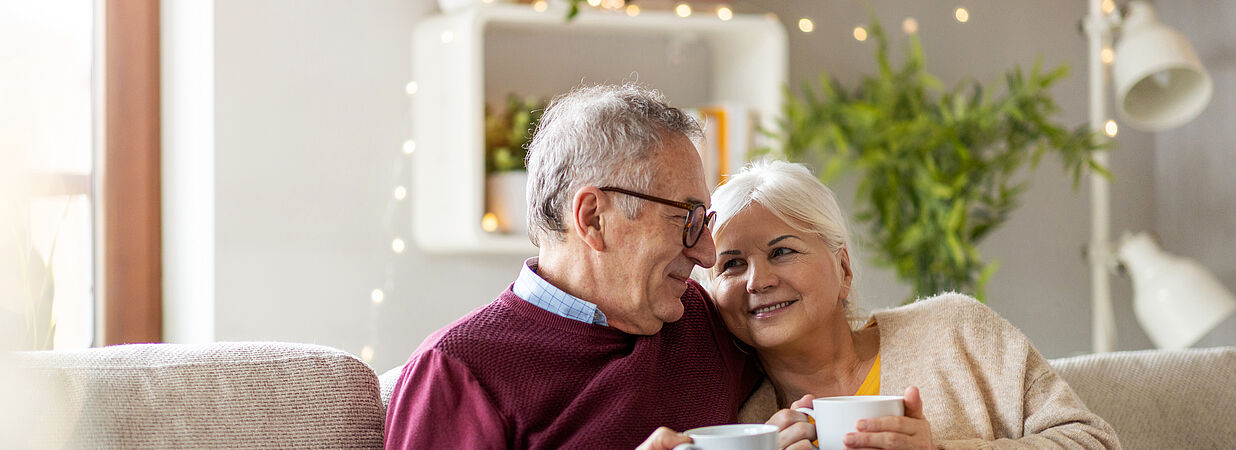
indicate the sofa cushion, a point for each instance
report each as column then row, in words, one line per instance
column 1160, row 398
column 204, row 396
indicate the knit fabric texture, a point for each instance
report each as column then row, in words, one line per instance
column 539, row 380
column 982, row 383
column 221, row 395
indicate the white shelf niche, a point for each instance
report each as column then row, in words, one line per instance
column 466, row 58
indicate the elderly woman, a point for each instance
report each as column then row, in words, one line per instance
column 783, row 283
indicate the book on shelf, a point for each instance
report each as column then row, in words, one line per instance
column 729, row 134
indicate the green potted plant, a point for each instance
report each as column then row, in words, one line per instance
column 507, row 133
column 938, row 169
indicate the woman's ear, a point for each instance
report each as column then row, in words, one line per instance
column 587, row 221
column 847, row 273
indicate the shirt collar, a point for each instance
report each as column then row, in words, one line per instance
column 535, row 290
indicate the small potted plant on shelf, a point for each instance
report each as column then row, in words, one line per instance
column 938, row 170
column 507, row 134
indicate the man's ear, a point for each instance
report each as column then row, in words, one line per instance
column 847, row 273
column 587, row 221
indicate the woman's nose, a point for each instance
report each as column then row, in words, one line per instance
column 760, row 277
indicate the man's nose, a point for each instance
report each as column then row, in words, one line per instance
column 704, row 252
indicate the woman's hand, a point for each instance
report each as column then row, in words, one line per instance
column 796, row 430
column 911, row 431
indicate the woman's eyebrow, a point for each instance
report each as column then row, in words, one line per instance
column 779, row 239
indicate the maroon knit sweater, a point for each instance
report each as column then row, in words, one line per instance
column 554, row 382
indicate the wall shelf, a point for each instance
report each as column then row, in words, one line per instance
column 466, row 58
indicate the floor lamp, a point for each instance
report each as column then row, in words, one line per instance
column 1159, row 84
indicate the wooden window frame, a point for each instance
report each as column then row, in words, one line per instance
column 130, row 167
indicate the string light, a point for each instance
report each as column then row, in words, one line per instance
column 632, row 10
column 612, row 4
column 409, row 146
column 540, row 5
column 398, row 245
column 448, row 37
column 725, row 13
column 1107, row 6
column 961, row 14
column 400, row 192
column 1107, row 55
column 806, row 25
column 594, row 3
column 683, row 10
column 487, row 1
column 860, row 34
column 411, row 88
column 489, row 222
column 377, row 296
column 1110, row 128
column 367, row 354
column 910, row 25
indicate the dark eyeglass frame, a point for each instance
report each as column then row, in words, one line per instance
column 688, row 241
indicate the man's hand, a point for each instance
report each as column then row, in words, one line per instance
column 663, row 439
column 796, row 429
column 911, row 431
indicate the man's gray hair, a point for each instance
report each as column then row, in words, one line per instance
column 604, row 135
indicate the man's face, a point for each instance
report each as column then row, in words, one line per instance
column 648, row 263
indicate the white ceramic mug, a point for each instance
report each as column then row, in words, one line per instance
column 739, row 436
column 837, row 416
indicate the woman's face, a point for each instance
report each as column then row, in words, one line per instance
column 775, row 284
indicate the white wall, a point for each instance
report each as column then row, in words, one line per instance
column 310, row 114
column 1195, row 165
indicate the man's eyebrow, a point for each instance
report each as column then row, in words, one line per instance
column 782, row 237
column 731, row 252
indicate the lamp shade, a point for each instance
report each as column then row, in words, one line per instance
column 1160, row 83
column 1175, row 300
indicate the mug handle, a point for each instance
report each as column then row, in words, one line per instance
column 808, row 411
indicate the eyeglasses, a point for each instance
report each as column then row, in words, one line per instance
column 697, row 219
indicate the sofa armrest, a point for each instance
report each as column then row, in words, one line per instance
column 204, row 396
column 1160, row 398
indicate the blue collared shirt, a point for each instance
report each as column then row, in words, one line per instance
column 535, row 290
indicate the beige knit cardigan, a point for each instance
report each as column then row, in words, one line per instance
column 983, row 384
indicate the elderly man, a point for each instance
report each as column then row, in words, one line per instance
column 604, row 337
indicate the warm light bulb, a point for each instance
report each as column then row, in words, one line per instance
column 860, row 34
column 632, row 10
column 489, row 222
column 806, row 25
column 367, row 353
column 398, row 245
column 448, row 37
column 540, row 5
column 1107, row 6
column 594, row 2
column 487, row 1
column 1107, row 55
column 1110, row 128
column 961, row 14
column 910, row 26
column 683, row 10
column 411, row 88
column 612, row 4
column 377, row 296
column 725, row 13
column 409, row 146
column 400, row 192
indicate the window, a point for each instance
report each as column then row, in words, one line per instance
column 47, row 135
column 79, row 173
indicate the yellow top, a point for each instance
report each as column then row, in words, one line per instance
column 871, row 386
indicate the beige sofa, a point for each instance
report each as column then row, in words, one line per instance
column 252, row 395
